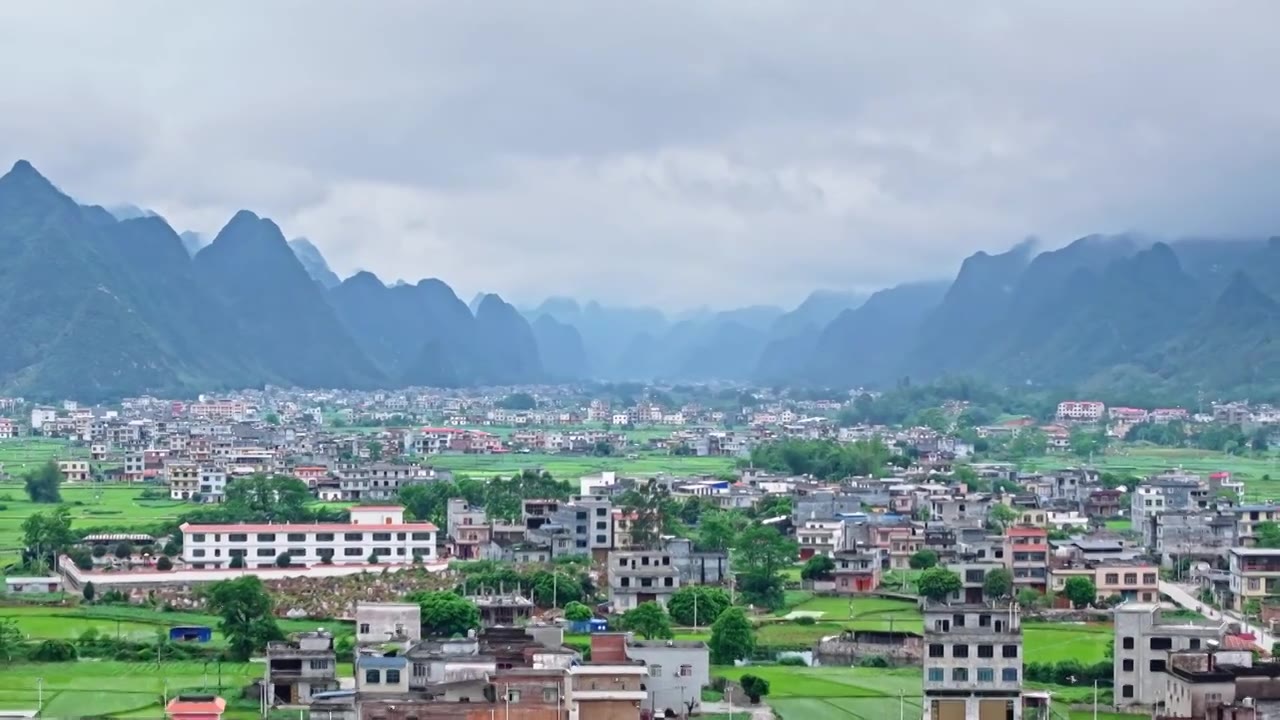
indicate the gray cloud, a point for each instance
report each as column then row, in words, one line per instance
column 671, row 153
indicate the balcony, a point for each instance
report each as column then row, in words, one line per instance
column 589, row 695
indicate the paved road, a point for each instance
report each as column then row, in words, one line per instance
column 1184, row 595
column 758, row 712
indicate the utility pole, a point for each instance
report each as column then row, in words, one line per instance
column 39, row 696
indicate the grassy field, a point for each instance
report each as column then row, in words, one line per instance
column 861, row 693
column 90, row 504
column 571, row 467
column 22, row 454
column 128, row 622
column 1145, row 460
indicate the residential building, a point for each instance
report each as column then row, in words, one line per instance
column 299, row 668
column 856, row 571
column 183, row 479
column 637, row 576
column 1136, row 581
column 677, row 672
column 1254, row 575
column 972, row 662
column 213, row 484
column 1027, row 557
column 1247, row 519
column 388, row 622
column 823, row 537
column 470, row 532
column 1143, row 642
column 1223, row 684
column 1081, row 410
column 611, row 686
column 374, row 532
column 74, row 470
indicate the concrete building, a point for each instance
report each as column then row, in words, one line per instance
column 1143, row 641
column 183, row 479
column 1027, row 557
column 374, row 531
column 74, row 470
column 213, row 484
column 678, row 670
column 1200, row 684
column 972, row 662
column 1254, row 575
column 298, row 668
column 637, row 576
column 1137, row 581
column 388, row 622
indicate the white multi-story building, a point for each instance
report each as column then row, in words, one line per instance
column 1081, row 410
column 374, row 530
column 973, row 662
column 183, row 478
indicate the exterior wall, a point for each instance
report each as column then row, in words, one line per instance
column 676, row 674
column 215, row 545
column 972, row 663
column 1142, row 647
column 380, row 622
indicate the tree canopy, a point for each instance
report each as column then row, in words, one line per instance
column 697, row 605
column 648, row 620
column 938, row 583
column 43, row 484
column 826, row 459
column 998, row 583
column 760, row 556
column 732, row 637
column 1080, row 591
column 445, row 614
column 246, row 612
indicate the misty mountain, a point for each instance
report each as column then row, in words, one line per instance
column 314, row 263
column 560, row 349
column 129, row 212
column 192, row 242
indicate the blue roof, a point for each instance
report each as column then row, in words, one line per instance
column 384, row 663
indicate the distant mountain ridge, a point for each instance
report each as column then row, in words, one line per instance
column 98, row 304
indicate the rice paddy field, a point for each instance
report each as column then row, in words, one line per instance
column 46, row 622
column 571, row 467
column 867, row 693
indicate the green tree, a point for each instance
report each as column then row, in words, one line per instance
column 89, row 592
column 938, row 583
column 1267, row 534
column 1260, row 440
column 276, row 498
column 651, row 509
column 1027, row 444
column 47, row 534
column 933, row 418
column 697, row 605
column 43, row 483
column 272, row 419
column 577, row 612
column 1002, row 516
column 518, row 401
column 718, row 529
column 1086, row 443
column 998, row 583
column 375, row 450
column 759, row 557
column 1029, row 597
column 428, row 501
column 10, row 639
column 1080, row 591
column 732, row 637
column 246, row 611
column 164, row 564
column 755, row 687
column 123, row 550
column 284, row 560
column 818, row 567
column 648, row 620
column 237, row 562
column 445, row 614
column 923, row 559
column 556, row 589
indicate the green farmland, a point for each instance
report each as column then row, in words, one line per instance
column 127, row 622
column 571, row 467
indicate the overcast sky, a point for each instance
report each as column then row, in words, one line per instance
column 673, row 154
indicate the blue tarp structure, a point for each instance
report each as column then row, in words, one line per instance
column 191, row 633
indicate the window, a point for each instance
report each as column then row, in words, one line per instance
column 237, row 537
column 957, row 620
column 984, row 621
column 1131, row 578
column 1161, row 643
column 351, row 552
column 266, row 552
column 364, row 628
column 1009, row 675
column 297, row 537
column 1126, row 691
column 959, row 674
column 1127, row 665
column 382, row 551
column 513, row 696
column 935, row 674
column 1127, row 643
column 601, row 539
column 297, row 552
column 197, row 537
column 399, row 536
column 266, row 537
column 1009, row 651
column 319, row 664
column 936, row 651
column 324, row 537
column 393, row 677
column 236, row 552
column 1195, row 643
column 960, row 651
column 422, row 536
column 601, row 526
column 686, row 671
column 382, row 537
column 372, row 677
column 986, row 651
column 1149, row 579
column 986, row 675
column 601, row 512
column 353, row 536
column 1157, row 665
column 197, row 553
column 1111, row 579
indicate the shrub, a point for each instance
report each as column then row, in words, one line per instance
column 54, row 651
column 123, row 550
column 873, row 661
column 237, row 562
column 792, row 660
column 99, row 551
column 164, row 564
column 806, row 620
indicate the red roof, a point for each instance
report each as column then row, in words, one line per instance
column 1027, row 532
column 307, row 527
column 179, row 706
